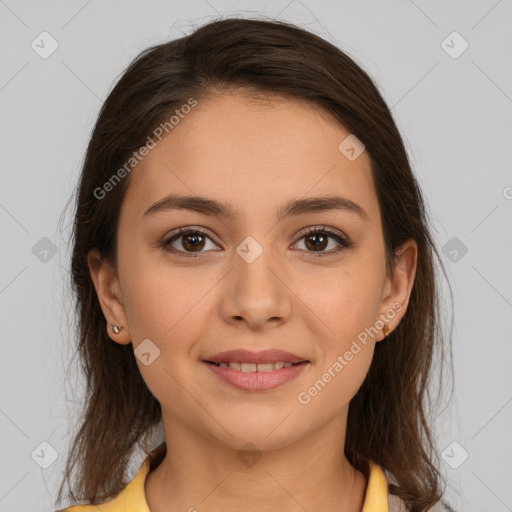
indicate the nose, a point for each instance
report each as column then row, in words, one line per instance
column 256, row 290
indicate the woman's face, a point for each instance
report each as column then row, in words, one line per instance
column 257, row 280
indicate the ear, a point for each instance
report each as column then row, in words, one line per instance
column 107, row 287
column 398, row 286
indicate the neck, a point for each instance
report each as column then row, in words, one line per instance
column 310, row 474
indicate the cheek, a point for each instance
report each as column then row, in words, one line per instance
column 335, row 382
column 348, row 306
column 158, row 296
column 170, row 307
column 166, row 308
column 342, row 303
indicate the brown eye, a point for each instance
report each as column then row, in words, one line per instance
column 317, row 240
column 187, row 242
column 192, row 242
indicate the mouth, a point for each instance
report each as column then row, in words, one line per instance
column 244, row 360
column 264, row 371
column 261, row 371
column 255, row 367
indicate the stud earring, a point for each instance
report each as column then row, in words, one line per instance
column 116, row 329
column 386, row 330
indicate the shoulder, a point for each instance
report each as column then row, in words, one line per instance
column 116, row 504
column 82, row 508
column 113, row 505
column 132, row 497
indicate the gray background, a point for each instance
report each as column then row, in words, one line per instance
column 455, row 115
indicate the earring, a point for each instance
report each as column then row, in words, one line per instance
column 386, row 330
column 116, row 329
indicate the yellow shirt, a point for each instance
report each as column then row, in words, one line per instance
column 132, row 497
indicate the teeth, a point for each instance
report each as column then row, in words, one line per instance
column 253, row 367
column 247, row 367
column 265, row 367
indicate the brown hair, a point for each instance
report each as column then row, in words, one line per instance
column 388, row 418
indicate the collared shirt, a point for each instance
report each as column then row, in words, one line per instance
column 132, row 498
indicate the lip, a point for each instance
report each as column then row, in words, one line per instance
column 257, row 381
column 246, row 356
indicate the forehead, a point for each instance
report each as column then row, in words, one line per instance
column 251, row 152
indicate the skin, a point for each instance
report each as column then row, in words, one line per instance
column 255, row 156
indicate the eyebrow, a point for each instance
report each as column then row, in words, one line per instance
column 294, row 207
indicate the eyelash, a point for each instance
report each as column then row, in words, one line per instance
column 345, row 243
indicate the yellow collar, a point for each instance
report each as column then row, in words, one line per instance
column 376, row 498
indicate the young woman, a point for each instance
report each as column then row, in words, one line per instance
column 254, row 272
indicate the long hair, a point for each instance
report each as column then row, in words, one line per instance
column 390, row 416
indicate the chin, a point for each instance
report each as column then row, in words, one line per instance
column 261, row 437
